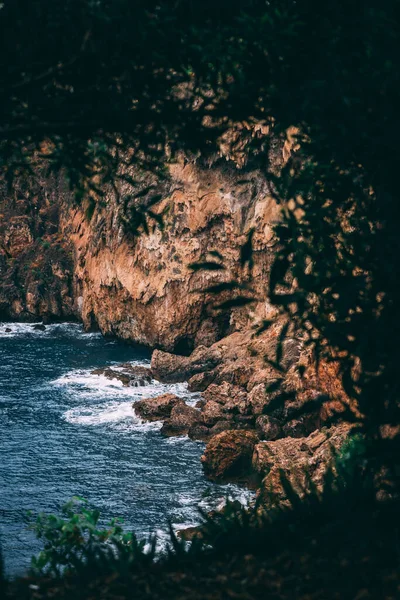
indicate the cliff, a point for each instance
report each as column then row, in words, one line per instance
column 59, row 260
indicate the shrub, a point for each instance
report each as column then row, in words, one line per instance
column 75, row 542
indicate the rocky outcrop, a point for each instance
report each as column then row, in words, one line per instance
column 36, row 260
column 127, row 374
column 181, row 420
column 298, row 460
column 228, row 456
column 141, row 287
column 158, row 408
column 172, row 368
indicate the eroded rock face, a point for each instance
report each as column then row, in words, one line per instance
column 36, row 261
column 140, row 287
column 228, row 456
column 158, row 408
column 172, row 368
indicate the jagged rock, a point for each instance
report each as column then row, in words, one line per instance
column 268, row 428
column 263, row 375
column 212, row 412
column 228, row 455
column 158, row 408
column 244, row 421
column 224, row 393
column 258, row 399
column 302, row 426
column 222, row 425
column 236, row 372
column 181, row 420
column 171, row 368
column 200, row 381
column 199, row 432
column 299, row 459
column 129, row 375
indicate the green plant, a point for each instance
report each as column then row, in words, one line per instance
column 74, row 542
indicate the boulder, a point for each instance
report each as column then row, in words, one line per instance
column 201, row 381
column 222, row 425
column 228, row 455
column 302, row 426
column 181, row 420
column 212, row 412
column 158, row 408
column 199, row 432
column 268, row 428
column 237, row 372
column 224, row 393
column 172, row 368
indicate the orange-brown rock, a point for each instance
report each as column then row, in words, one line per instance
column 173, row 368
column 36, row 261
column 298, row 459
column 268, row 428
column 158, row 408
column 140, row 287
column 224, row 393
column 181, row 420
column 229, row 455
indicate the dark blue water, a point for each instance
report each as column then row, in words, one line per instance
column 66, row 432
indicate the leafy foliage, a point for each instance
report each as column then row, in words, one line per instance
column 75, row 542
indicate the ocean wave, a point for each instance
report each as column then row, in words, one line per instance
column 83, row 383
column 107, row 402
column 115, row 414
column 10, row 330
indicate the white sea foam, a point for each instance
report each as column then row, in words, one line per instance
column 107, row 402
column 9, row 330
column 115, row 414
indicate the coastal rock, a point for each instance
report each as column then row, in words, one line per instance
column 181, row 420
column 212, row 412
column 199, row 432
column 222, row 425
column 302, row 426
column 129, row 375
column 268, row 428
column 298, row 459
column 201, row 381
column 158, row 408
column 258, row 399
column 171, row 368
column 228, row 455
column 225, row 393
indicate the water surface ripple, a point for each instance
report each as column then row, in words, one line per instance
column 66, row 432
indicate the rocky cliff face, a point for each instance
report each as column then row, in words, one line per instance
column 140, row 287
column 58, row 260
column 36, row 259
